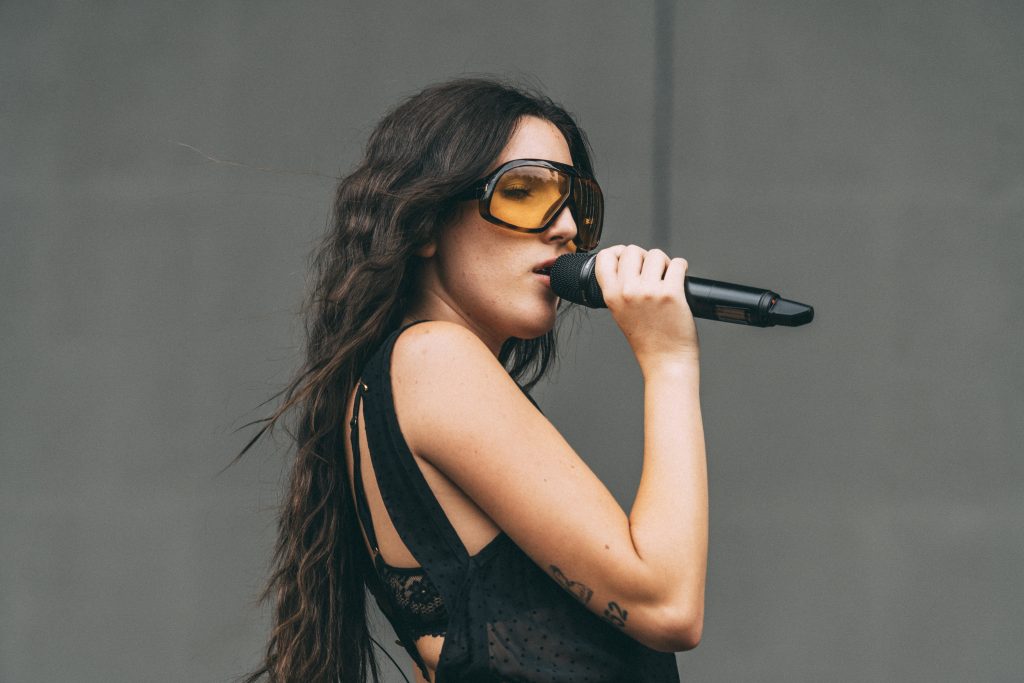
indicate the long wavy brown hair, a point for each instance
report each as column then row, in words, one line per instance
column 423, row 153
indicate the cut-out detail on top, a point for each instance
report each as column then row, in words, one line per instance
column 411, row 590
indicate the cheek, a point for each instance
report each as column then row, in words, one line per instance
column 492, row 276
column 484, row 252
column 473, row 265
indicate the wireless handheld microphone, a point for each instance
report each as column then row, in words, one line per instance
column 573, row 278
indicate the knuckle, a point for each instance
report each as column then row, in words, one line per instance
column 636, row 292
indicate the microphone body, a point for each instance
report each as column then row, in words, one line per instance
column 573, row 279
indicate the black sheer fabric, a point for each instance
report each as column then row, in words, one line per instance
column 507, row 620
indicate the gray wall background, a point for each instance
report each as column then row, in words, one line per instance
column 865, row 157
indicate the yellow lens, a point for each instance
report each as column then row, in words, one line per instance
column 528, row 196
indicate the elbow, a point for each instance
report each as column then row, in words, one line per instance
column 682, row 630
column 688, row 635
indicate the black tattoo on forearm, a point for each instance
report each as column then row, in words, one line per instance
column 581, row 591
column 616, row 614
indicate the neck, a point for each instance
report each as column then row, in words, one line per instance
column 433, row 303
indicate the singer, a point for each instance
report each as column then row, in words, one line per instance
column 424, row 470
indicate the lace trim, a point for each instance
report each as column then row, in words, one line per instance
column 416, row 595
column 420, row 633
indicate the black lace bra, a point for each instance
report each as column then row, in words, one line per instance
column 416, row 595
column 411, row 590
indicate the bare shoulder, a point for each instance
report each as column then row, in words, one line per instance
column 437, row 340
column 441, row 373
column 444, row 378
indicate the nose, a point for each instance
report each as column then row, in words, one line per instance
column 564, row 227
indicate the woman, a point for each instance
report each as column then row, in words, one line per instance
column 425, row 471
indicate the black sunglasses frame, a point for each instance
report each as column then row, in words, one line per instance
column 484, row 188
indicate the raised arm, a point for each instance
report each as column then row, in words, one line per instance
column 644, row 573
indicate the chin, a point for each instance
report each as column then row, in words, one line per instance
column 537, row 323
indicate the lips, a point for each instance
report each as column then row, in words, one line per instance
column 545, row 267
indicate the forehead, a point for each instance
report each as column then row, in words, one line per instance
column 536, row 138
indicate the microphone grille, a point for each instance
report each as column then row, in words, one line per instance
column 565, row 280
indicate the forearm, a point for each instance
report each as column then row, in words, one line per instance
column 669, row 517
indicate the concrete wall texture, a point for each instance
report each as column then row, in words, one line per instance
column 865, row 157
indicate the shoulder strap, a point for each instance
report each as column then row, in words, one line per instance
column 362, row 507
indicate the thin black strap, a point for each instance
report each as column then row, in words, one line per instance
column 362, row 508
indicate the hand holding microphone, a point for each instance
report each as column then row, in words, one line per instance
column 643, row 289
column 574, row 278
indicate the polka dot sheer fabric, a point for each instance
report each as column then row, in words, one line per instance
column 507, row 620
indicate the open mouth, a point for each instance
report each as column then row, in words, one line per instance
column 543, row 271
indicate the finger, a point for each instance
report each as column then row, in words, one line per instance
column 630, row 262
column 616, row 251
column 606, row 266
column 655, row 262
column 675, row 274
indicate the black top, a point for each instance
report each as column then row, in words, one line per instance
column 503, row 617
